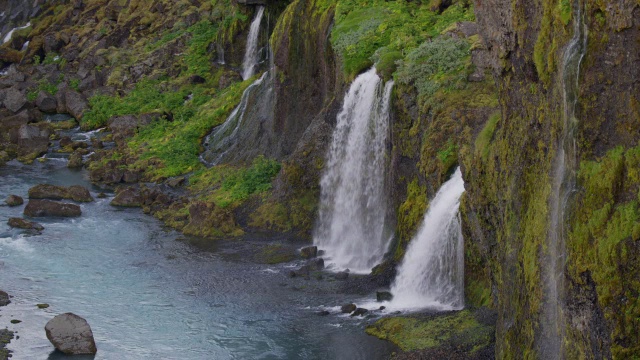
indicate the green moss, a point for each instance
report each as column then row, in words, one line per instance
column 275, row 254
column 486, row 135
column 410, row 215
column 460, row 329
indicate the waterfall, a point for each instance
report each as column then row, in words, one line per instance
column 251, row 56
column 7, row 37
column 432, row 271
column 353, row 207
column 563, row 184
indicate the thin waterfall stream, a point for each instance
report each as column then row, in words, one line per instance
column 432, row 272
column 563, row 185
column 352, row 225
column 251, row 55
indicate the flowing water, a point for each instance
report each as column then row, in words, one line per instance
column 352, row 224
column 563, row 185
column 432, row 272
column 149, row 296
column 251, row 55
column 7, row 37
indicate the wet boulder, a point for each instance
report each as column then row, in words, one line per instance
column 71, row 334
column 309, row 252
column 348, row 308
column 128, row 197
column 4, row 298
column 31, row 139
column 44, row 208
column 53, row 192
column 342, row 275
column 46, row 102
column 316, row 264
column 14, row 200
column 75, row 160
column 20, row 223
column 360, row 312
column 383, row 296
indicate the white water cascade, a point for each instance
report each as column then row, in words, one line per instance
column 432, row 272
column 251, row 56
column 9, row 35
column 351, row 227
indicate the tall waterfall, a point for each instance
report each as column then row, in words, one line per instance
column 563, row 184
column 251, row 56
column 432, row 271
column 353, row 211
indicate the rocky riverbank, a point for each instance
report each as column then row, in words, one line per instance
column 6, row 335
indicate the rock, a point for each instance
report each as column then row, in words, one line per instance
column 176, row 182
column 348, row 308
column 324, row 313
column 75, row 160
column 43, row 208
column 102, row 195
column 309, row 252
column 14, row 100
column 19, row 119
column 24, row 224
column 197, row 79
column 14, row 200
column 46, row 103
column 316, row 264
column 71, row 334
column 129, row 197
column 382, row 308
column 4, row 298
column 42, row 306
column 383, row 296
column 342, row 275
column 16, row 321
column 97, row 144
column 66, row 141
column 76, row 103
column 53, row 192
column 31, row 139
column 359, row 312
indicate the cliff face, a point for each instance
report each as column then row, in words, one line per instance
column 508, row 207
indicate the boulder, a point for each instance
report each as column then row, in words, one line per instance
column 31, row 139
column 71, row 334
column 324, row 313
column 14, row 200
column 76, row 103
column 75, row 160
column 66, row 141
column 348, row 308
column 4, row 298
column 43, row 208
column 176, row 182
column 24, row 224
column 383, row 296
column 19, row 119
column 309, row 252
column 316, row 264
column 360, row 312
column 342, row 275
column 14, row 100
column 46, row 102
column 129, row 197
column 53, row 192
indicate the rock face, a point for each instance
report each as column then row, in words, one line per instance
column 44, row 208
column 53, row 192
column 71, row 334
column 14, row 200
column 24, row 224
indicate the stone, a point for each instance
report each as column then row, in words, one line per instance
column 360, row 312
column 76, row 103
column 19, row 119
column 102, row 195
column 14, row 100
column 46, row 102
column 20, row 223
column 348, row 308
column 79, row 193
column 316, row 264
column 44, row 208
column 309, row 252
column 42, row 306
column 342, row 275
column 4, row 298
column 53, row 192
column 197, row 79
column 75, row 160
column 16, row 321
column 383, row 296
column 324, row 313
column 176, row 182
column 31, row 139
column 66, row 141
column 71, row 334
column 14, row 200
column 129, row 197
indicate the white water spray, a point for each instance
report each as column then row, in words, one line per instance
column 251, row 56
column 432, row 272
column 353, row 207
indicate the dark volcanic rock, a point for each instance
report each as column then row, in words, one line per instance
column 14, row 100
column 31, row 139
column 129, row 197
column 383, row 296
column 348, row 308
column 14, row 200
column 316, row 264
column 24, row 224
column 43, row 208
column 53, row 192
column 309, row 252
column 4, row 298
column 75, row 160
column 71, row 334
column 46, row 103
column 360, row 312
column 342, row 275
column 76, row 103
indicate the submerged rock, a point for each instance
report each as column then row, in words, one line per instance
column 44, row 208
column 71, row 334
column 348, row 308
column 309, row 252
column 14, row 200
column 24, row 224
column 383, row 296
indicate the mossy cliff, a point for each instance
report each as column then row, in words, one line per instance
column 507, row 209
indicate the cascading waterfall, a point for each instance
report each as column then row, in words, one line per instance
column 9, row 35
column 432, row 271
column 251, row 56
column 352, row 227
column 563, row 185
